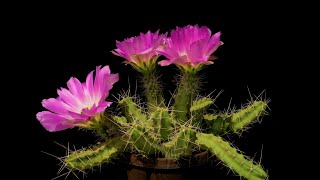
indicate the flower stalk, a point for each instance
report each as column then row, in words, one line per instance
column 186, row 92
column 152, row 90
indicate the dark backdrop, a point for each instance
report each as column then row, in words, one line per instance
column 71, row 42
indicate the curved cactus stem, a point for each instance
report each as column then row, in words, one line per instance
column 245, row 116
column 198, row 108
column 131, row 110
column 231, row 157
column 218, row 123
column 180, row 145
column 201, row 104
column 143, row 142
column 94, row 156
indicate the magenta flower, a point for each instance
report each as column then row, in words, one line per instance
column 190, row 47
column 80, row 104
column 140, row 51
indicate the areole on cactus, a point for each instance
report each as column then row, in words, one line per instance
column 173, row 130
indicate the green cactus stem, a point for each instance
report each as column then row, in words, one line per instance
column 231, row 157
column 201, row 104
column 186, row 91
column 94, row 156
column 245, row 116
column 131, row 111
column 162, row 122
column 152, row 90
column 143, row 142
column 181, row 144
column 218, row 123
column 121, row 120
column 198, row 108
column 211, row 117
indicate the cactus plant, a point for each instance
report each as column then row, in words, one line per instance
column 170, row 130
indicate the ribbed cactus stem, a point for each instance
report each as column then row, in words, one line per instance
column 152, row 90
column 186, row 91
column 219, row 123
column 143, row 142
column 131, row 111
column 162, row 122
column 248, row 114
column 181, row 144
column 94, row 156
column 198, row 108
column 231, row 157
column 121, row 120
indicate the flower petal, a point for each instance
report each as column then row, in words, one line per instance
column 53, row 122
column 214, row 43
column 110, row 79
column 168, row 53
column 101, row 108
column 75, row 88
column 89, row 112
column 67, row 97
column 56, row 106
column 165, row 63
column 204, row 33
column 196, row 52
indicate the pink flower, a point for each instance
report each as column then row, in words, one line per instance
column 140, row 51
column 190, row 47
column 79, row 104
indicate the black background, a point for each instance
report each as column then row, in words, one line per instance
column 73, row 41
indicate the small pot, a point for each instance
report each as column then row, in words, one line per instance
column 143, row 168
